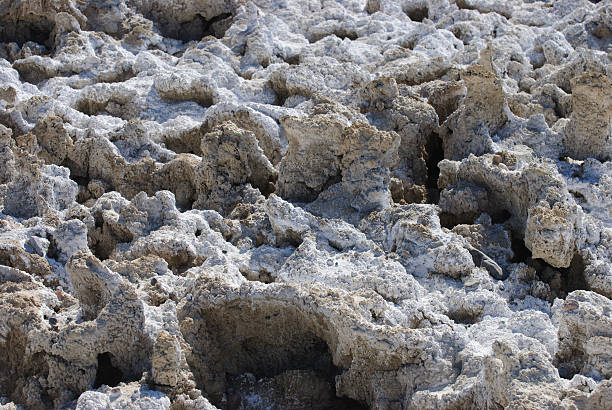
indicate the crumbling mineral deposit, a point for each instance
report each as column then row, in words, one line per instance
column 305, row 204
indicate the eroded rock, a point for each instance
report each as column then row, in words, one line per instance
column 303, row 204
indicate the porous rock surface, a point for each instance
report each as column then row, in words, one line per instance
column 336, row 204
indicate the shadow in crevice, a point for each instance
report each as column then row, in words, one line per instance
column 562, row 281
column 464, row 316
column 270, row 350
column 434, row 154
column 198, row 28
column 107, row 374
column 417, row 13
column 21, row 31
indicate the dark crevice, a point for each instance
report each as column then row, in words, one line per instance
column 107, row 373
column 89, row 107
column 266, row 186
column 344, row 34
column 449, row 221
column 179, row 266
column 340, row 33
column 53, row 251
column 573, row 276
column 418, row 13
column 500, row 216
column 103, row 249
column 570, row 364
column 335, row 245
column 561, row 280
column 447, row 106
column 280, row 99
column 435, row 154
column 464, row 316
column 35, row 29
column 202, row 98
column 520, row 252
column 262, row 276
column 274, row 352
column 198, row 28
column 293, row 60
column 280, row 89
column 290, row 238
column 332, row 180
column 579, row 197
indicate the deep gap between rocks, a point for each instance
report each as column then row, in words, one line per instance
column 435, row 154
column 273, row 351
column 198, row 28
column 562, row 281
column 107, row 373
column 37, row 30
column 418, row 13
column 463, row 316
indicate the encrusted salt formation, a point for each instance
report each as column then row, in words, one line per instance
column 303, row 204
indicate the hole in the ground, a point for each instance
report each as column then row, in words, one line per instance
column 570, row 364
column 202, row 97
column 449, row 221
column 464, row 316
column 290, row 238
column 274, row 345
column 462, row 4
column 180, row 262
column 435, row 154
column 294, row 60
column 344, row 34
column 336, row 245
column 417, row 13
column 103, row 249
column 446, row 100
column 573, row 276
column 500, row 216
column 89, row 107
column 107, row 373
column 341, row 33
column 29, row 28
column 520, row 252
column 261, row 276
column 280, row 89
column 332, row 180
column 197, row 28
column 53, row 252
column 561, row 280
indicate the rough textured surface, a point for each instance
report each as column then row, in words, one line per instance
column 335, row 204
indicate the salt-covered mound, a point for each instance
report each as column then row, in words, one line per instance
column 334, row 204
